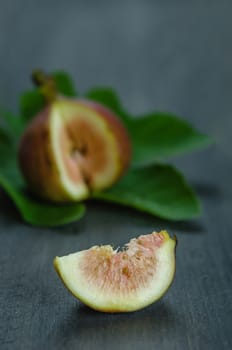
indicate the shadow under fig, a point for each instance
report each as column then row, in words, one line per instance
column 84, row 325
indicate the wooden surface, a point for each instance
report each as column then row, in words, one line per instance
column 166, row 55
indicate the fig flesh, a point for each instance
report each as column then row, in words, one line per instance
column 109, row 280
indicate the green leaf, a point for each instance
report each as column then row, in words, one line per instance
column 7, row 157
column 159, row 136
column 40, row 213
column 108, row 98
column 159, row 190
column 31, row 102
column 64, row 83
column 12, row 127
column 7, row 147
column 14, row 124
column 4, row 135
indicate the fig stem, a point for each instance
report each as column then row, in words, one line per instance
column 46, row 84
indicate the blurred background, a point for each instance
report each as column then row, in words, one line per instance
column 159, row 55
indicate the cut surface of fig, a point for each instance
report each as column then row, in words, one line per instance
column 110, row 280
column 87, row 144
column 72, row 148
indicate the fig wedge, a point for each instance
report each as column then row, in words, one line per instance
column 109, row 280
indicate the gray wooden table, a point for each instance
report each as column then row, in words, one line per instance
column 167, row 55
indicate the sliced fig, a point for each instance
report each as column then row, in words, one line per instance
column 73, row 147
column 120, row 281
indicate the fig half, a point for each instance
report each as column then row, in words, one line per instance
column 73, row 147
column 109, row 280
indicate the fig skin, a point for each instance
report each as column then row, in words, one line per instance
column 47, row 175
